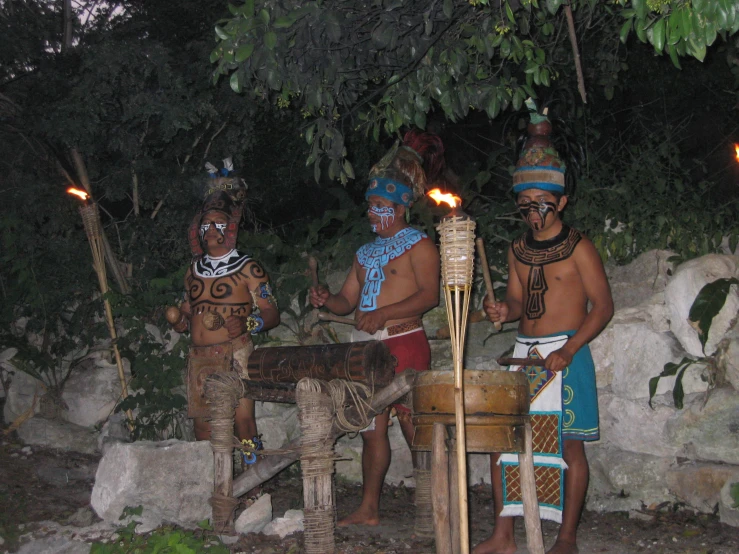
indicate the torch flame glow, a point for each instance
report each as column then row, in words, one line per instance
column 452, row 200
column 736, row 148
column 77, row 192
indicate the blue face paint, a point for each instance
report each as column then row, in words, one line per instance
column 386, row 215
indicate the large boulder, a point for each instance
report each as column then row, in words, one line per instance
column 699, row 484
column 727, row 509
column 689, row 278
column 24, row 392
column 171, row 480
column 58, row 434
column 636, row 282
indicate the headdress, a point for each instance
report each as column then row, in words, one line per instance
column 539, row 166
column 403, row 172
column 223, row 192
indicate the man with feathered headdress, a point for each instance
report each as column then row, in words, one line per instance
column 228, row 299
column 394, row 280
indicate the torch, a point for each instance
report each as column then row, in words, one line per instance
column 93, row 230
column 457, row 245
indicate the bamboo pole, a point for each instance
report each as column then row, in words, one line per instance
column 486, row 275
column 440, row 490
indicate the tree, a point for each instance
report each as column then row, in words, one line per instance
column 384, row 64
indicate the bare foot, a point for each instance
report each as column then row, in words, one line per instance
column 496, row 545
column 563, row 547
column 360, row 517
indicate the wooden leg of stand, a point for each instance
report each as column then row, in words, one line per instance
column 453, row 497
column 440, row 490
column 534, row 540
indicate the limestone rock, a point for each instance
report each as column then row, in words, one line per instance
column 62, row 435
column 730, row 358
column 636, row 282
column 23, row 389
column 710, row 432
column 688, row 280
column 172, row 480
column 699, row 484
column 727, row 512
column 91, row 392
column 255, row 517
column 291, row 523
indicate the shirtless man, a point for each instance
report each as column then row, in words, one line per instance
column 392, row 283
column 223, row 289
column 554, row 271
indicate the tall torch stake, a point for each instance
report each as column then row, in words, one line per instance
column 93, row 230
column 457, row 238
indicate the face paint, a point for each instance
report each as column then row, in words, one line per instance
column 543, row 209
column 386, row 215
column 220, row 227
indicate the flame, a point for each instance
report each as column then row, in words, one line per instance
column 736, row 148
column 452, row 200
column 77, row 192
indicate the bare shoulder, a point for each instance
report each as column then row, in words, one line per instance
column 425, row 247
column 253, row 270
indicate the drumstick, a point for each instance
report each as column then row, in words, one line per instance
column 325, row 316
column 533, row 362
column 486, row 275
column 313, row 264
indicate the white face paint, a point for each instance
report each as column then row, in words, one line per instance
column 220, row 227
column 386, row 215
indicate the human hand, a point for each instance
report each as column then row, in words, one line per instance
column 318, row 296
column 558, row 360
column 235, row 326
column 496, row 311
column 371, row 322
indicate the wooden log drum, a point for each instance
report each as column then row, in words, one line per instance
column 496, row 420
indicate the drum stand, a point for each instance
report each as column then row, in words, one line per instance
column 444, row 489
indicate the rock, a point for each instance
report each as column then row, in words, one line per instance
column 61, row 476
column 710, row 432
column 255, row 517
column 478, row 469
column 729, row 358
column 633, row 426
column 681, row 291
column 115, row 429
column 54, row 545
column 636, row 282
column 92, row 392
column 171, row 480
column 23, row 390
column 642, row 354
column 83, row 517
column 53, row 433
column 623, row 481
column 727, row 512
column 699, row 484
column 287, row 525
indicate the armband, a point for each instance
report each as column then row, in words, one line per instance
column 253, row 324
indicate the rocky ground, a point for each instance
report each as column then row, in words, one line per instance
column 42, row 485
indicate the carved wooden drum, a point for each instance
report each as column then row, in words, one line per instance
column 496, row 408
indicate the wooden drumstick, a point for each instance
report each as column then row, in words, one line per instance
column 325, row 316
column 313, row 264
column 528, row 362
column 486, row 275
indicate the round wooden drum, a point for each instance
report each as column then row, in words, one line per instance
column 496, row 408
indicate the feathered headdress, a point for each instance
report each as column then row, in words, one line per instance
column 404, row 171
column 224, row 192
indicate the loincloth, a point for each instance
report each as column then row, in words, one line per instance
column 410, row 346
column 214, row 358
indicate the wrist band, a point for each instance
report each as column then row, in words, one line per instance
column 253, row 324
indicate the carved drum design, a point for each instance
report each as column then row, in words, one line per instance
column 496, row 408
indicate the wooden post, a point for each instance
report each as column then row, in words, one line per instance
column 534, row 540
column 440, row 490
column 453, row 498
column 424, row 517
column 486, row 276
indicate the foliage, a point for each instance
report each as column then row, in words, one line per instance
column 383, row 65
column 164, row 540
column 707, row 304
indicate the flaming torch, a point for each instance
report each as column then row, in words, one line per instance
column 93, row 230
column 457, row 245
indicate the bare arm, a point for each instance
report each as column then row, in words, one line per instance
column 258, row 282
column 598, row 292
column 345, row 301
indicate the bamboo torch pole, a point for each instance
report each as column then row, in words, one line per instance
column 486, row 275
column 93, row 230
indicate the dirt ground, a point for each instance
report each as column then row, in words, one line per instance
column 41, row 484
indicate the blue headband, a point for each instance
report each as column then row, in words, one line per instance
column 549, row 178
column 390, row 189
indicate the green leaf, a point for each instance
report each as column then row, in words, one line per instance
column 284, row 21
column 509, row 14
column 309, row 134
column 625, row 30
column 448, row 8
column 221, row 33
column 678, row 394
column 270, row 40
column 234, row 82
column 668, row 370
column 673, row 56
column 658, row 35
column 264, row 16
column 244, row 52
column 734, row 493
column 708, row 304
